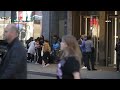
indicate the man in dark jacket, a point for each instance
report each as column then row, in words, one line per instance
column 118, row 54
column 13, row 65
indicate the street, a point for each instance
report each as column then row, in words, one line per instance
column 36, row 71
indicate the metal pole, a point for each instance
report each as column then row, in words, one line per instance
column 4, row 19
column 97, row 42
column 107, row 43
column 115, row 37
column 86, row 26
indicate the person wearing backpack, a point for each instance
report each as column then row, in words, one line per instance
column 118, row 54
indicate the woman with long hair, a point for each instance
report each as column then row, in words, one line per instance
column 69, row 65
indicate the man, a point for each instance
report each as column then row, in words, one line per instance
column 13, row 65
column 118, row 54
column 89, row 53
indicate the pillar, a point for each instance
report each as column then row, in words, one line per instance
column 46, row 24
column 73, row 23
column 102, row 35
column 69, row 22
column 76, row 24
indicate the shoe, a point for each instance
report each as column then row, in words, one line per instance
column 47, row 65
column 88, row 69
column 36, row 63
column 117, row 71
column 84, row 67
column 94, row 69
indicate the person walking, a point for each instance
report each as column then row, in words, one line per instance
column 14, row 63
column 69, row 65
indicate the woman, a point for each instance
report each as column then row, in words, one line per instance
column 69, row 65
column 46, row 53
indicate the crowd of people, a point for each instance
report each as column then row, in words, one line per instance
column 41, row 52
column 67, row 52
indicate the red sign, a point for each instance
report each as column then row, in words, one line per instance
column 20, row 15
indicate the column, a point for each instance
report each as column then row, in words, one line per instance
column 69, row 22
column 73, row 23
column 76, row 23
column 102, row 38
column 46, row 24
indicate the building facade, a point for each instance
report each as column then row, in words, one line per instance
column 103, row 26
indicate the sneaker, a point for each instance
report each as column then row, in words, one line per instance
column 47, row 65
column 36, row 63
column 117, row 71
column 89, row 69
column 94, row 69
column 84, row 67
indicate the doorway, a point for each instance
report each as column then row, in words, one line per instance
column 90, row 26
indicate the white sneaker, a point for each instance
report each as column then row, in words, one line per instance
column 47, row 65
column 84, row 67
column 36, row 63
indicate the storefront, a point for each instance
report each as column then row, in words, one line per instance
column 25, row 25
column 5, row 19
column 24, row 20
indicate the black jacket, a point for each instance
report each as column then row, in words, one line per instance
column 14, row 65
column 118, row 48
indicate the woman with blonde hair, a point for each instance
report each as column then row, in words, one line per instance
column 69, row 65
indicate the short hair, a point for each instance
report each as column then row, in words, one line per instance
column 14, row 28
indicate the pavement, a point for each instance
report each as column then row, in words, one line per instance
column 36, row 71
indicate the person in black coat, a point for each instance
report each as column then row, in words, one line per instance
column 118, row 55
column 14, row 63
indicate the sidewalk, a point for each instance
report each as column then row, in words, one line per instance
column 50, row 72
